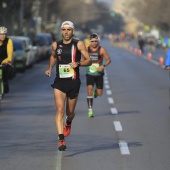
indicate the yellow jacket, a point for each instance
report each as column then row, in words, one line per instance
column 9, row 52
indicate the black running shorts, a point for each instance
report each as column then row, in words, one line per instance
column 67, row 85
column 95, row 80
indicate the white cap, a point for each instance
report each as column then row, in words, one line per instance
column 67, row 24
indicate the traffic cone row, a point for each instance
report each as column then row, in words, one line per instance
column 139, row 53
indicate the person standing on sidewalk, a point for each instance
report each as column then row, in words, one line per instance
column 66, row 54
column 95, row 72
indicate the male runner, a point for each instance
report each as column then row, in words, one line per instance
column 95, row 72
column 66, row 54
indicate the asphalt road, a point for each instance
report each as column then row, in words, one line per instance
column 130, row 130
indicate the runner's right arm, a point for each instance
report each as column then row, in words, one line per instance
column 53, row 59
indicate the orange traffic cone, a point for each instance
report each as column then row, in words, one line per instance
column 149, row 56
column 139, row 52
column 131, row 49
column 161, row 61
column 135, row 50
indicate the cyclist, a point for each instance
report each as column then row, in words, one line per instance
column 6, row 52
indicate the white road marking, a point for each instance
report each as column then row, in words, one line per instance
column 114, row 111
column 109, row 92
column 110, row 100
column 107, row 86
column 105, row 72
column 105, row 78
column 106, row 82
column 124, row 148
column 59, row 158
column 118, row 126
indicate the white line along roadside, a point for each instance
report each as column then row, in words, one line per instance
column 59, row 159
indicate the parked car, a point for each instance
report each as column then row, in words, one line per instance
column 28, row 47
column 44, row 41
column 20, row 55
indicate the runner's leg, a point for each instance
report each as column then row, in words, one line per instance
column 90, row 96
column 60, row 99
column 70, row 107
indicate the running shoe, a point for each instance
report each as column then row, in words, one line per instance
column 67, row 129
column 61, row 145
column 95, row 93
column 90, row 113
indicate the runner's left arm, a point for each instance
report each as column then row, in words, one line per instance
column 106, row 57
column 86, row 61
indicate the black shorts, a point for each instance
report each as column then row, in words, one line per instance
column 95, row 80
column 67, row 85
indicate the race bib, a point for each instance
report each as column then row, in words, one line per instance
column 93, row 68
column 66, row 71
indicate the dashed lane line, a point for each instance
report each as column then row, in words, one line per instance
column 109, row 92
column 107, row 86
column 113, row 111
column 124, row 148
column 106, row 81
column 118, row 126
column 110, row 100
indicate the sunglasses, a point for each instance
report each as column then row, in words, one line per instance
column 94, row 41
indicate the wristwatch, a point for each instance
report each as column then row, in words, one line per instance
column 78, row 63
column 104, row 65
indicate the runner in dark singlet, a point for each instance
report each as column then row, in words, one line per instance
column 95, row 72
column 66, row 54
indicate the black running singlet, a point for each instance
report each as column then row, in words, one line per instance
column 67, row 53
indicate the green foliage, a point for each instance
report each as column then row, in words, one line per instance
column 151, row 12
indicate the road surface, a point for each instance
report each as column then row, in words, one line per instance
column 129, row 131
